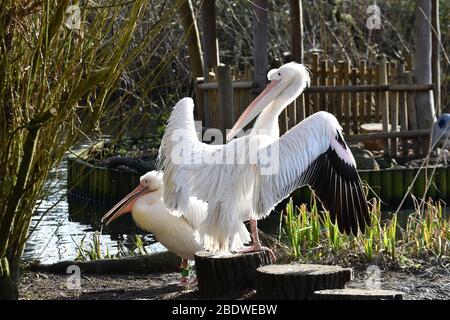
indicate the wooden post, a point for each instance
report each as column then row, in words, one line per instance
column 398, row 188
column 219, row 275
column 384, row 104
column 393, row 106
column 354, row 102
column 192, row 35
column 211, row 52
column 441, row 179
column 403, row 110
column 299, row 281
column 225, row 98
column 347, row 100
column 358, row 294
column 192, row 38
column 386, row 185
column 210, row 43
column 260, row 43
column 436, row 54
column 412, row 116
column 424, row 99
column 296, row 14
column 364, row 107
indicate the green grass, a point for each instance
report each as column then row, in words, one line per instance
column 91, row 249
column 311, row 236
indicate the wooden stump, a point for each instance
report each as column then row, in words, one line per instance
column 358, row 294
column 299, row 281
column 221, row 274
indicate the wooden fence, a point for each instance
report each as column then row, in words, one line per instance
column 356, row 94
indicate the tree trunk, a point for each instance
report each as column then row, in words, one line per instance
column 192, row 38
column 260, row 43
column 424, row 99
column 299, row 282
column 296, row 13
column 436, row 55
column 224, row 274
column 9, row 288
column 209, row 34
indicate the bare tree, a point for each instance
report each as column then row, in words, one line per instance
column 424, row 100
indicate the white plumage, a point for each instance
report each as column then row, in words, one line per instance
column 264, row 169
column 177, row 234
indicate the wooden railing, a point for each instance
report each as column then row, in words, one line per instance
column 380, row 93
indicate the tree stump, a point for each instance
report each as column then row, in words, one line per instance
column 358, row 294
column 299, row 281
column 221, row 274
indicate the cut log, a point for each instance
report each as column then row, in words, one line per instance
column 221, row 274
column 155, row 262
column 358, row 294
column 299, row 281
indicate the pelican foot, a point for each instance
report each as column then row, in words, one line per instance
column 255, row 248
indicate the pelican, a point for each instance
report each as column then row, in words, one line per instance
column 440, row 133
column 177, row 234
column 245, row 178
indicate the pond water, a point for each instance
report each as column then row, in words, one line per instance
column 59, row 225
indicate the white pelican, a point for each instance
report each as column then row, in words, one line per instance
column 239, row 185
column 175, row 233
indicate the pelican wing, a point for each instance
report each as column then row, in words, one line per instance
column 206, row 172
column 193, row 168
column 314, row 153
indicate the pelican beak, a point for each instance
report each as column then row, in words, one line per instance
column 126, row 204
column 262, row 101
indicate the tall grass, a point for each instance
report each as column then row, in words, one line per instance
column 55, row 84
column 312, row 236
column 91, row 248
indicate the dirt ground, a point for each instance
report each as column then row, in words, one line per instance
column 434, row 283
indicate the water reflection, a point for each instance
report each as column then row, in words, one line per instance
column 58, row 225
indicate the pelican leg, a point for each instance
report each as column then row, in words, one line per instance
column 256, row 243
column 184, row 270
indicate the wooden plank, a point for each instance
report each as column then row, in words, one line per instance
column 412, row 113
column 340, row 82
column 403, row 110
column 347, row 101
column 225, row 98
column 332, row 96
column 393, row 105
column 388, row 135
column 315, row 81
column 323, row 101
column 376, row 70
column 364, row 109
column 354, row 102
column 384, row 104
column 235, row 84
column 371, row 88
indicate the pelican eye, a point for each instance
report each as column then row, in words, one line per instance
column 279, row 73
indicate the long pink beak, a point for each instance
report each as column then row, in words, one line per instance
column 126, row 204
column 252, row 110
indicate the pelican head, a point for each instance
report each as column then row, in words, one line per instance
column 286, row 84
column 440, row 131
column 149, row 189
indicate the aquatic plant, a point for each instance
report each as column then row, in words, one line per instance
column 312, row 236
column 59, row 69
